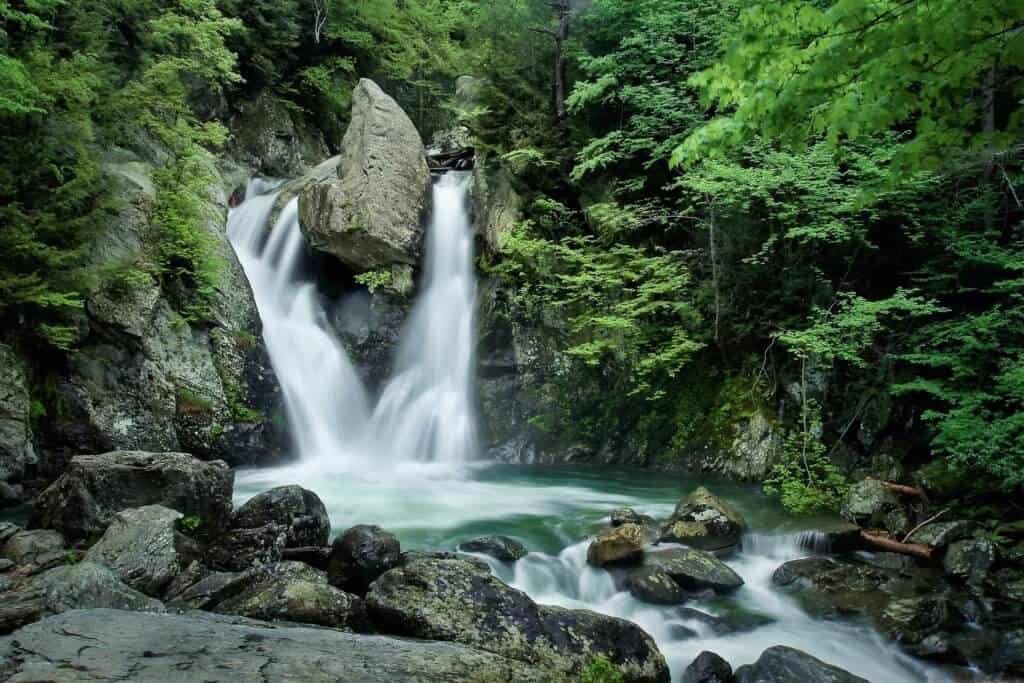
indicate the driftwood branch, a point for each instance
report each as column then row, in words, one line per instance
column 924, row 523
column 914, row 491
column 882, row 541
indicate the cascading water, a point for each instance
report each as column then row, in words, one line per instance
column 425, row 414
column 426, row 411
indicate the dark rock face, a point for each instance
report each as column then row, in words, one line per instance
column 298, row 509
column 240, row 549
column 869, row 504
column 360, row 555
column 370, row 215
column 499, row 547
column 82, row 503
column 140, row 546
column 970, row 560
column 786, row 665
column 694, row 569
column 70, row 587
column 703, row 520
column 654, row 585
column 442, row 600
column 130, row 646
column 370, row 324
column 708, row 668
column 269, row 138
column 910, row 620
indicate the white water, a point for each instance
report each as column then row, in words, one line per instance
column 404, row 463
column 425, row 412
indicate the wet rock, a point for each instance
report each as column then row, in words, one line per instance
column 708, row 668
column 806, row 569
column 629, row 516
column 370, row 213
column 787, row 665
column 694, row 569
column 360, row 555
column 292, row 591
column 83, row 501
column 442, row 599
column 870, row 504
column 70, row 587
column 241, row 549
column 617, row 545
column 703, row 520
column 104, row 644
column 838, row 537
column 34, row 549
column 941, row 534
column 736, row 622
column 140, row 547
column 16, row 450
column 970, row 560
column 909, row 620
column 299, row 510
column 499, row 547
column 653, row 585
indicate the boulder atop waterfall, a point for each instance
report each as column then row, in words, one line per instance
column 299, row 509
column 461, row 602
column 370, row 213
column 82, row 503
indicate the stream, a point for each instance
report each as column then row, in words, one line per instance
column 407, row 461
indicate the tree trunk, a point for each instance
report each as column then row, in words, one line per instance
column 561, row 36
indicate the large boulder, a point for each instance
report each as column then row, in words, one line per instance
column 617, row 545
column 458, row 601
column 708, row 668
column 82, row 503
column 39, row 548
column 360, row 555
column 107, row 644
column 292, row 591
column 694, row 569
column 239, row 549
column 298, row 509
column 786, row 665
column 16, row 451
column 141, row 546
column 75, row 586
column 655, row 586
column 703, row 520
column 370, row 214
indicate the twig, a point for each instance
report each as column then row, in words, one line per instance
column 924, row 523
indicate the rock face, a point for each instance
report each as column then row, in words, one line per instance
column 299, row 509
column 267, row 137
column 786, row 665
column 970, row 560
column 703, row 520
column 139, row 546
column 694, row 569
column 371, row 213
column 143, row 377
column 360, row 555
column 442, row 599
column 16, row 451
column 617, row 545
column 869, row 504
column 77, row 586
column 130, row 646
column 239, row 549
column 499, row 547
column 40, row 548
column 82, row 503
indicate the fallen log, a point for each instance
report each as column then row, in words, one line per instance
column 883, row 541
column 906, row 490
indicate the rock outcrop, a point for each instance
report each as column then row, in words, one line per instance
column 703, row 520
column 83, row 501
column 787, row 665
column 370, row 213
column 17, row 454
column 694, row 569
column 107, row 644
column 442, row 599
column 274, row 141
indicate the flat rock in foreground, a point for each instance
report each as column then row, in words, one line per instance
column 105, row 644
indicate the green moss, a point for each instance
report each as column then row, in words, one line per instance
column 188, row 401
column 707, row 410
column 602, row 671
column 236, row 405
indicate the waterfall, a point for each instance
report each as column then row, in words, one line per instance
column 426, row 410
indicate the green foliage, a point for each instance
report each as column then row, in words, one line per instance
column 601, row 670
column 804, row 478
column 845, row 69
column 190, row 523
column 375, row 279
column 190, row 401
